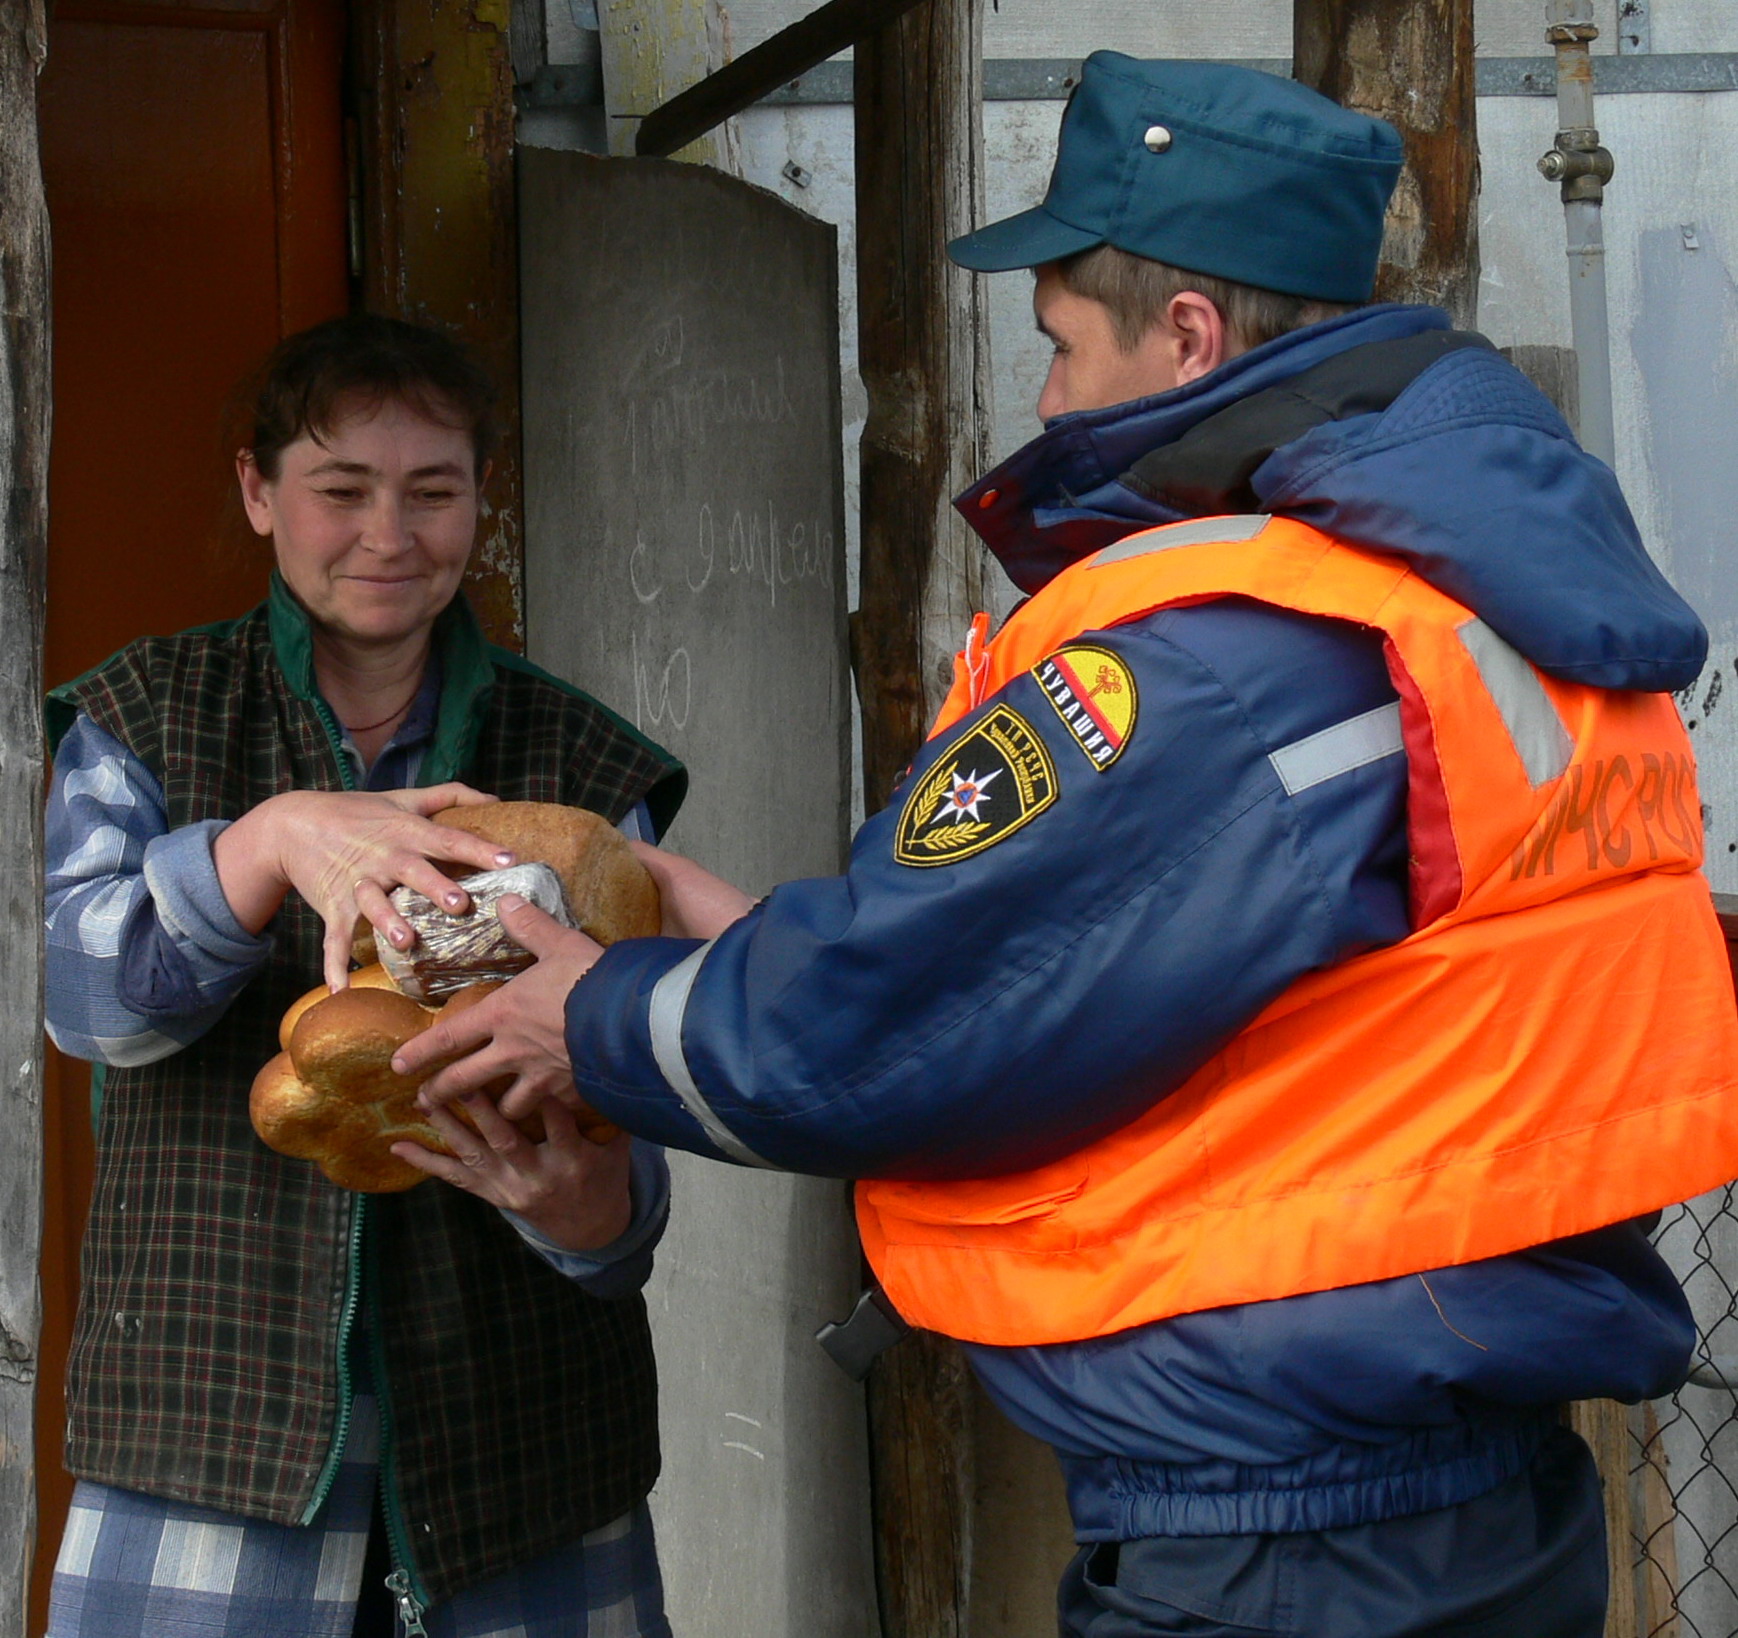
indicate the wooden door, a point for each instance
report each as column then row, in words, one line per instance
column 193, row 163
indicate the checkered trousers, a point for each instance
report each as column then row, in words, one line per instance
column 134, row 1566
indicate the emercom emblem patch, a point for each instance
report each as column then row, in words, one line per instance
column 1094, row 693
column 985, row 786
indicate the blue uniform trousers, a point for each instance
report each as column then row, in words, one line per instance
column 1526, row 1560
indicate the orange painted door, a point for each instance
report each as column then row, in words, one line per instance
column 193, row 163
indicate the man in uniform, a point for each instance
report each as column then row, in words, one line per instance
column 1265, row 1016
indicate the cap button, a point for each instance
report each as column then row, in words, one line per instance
column 988, row 499
column 1157, row 139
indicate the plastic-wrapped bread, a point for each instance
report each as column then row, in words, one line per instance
column 609, row 892
column 453, row 952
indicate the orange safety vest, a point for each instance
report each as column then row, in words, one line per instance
column 1552, row 1050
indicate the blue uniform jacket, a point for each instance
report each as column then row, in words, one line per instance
column 991, row 1013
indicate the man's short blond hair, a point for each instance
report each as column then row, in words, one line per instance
column 1136, row 290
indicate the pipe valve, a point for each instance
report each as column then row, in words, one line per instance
column 1580, row 164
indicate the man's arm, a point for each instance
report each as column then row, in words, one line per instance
column 1078, row 955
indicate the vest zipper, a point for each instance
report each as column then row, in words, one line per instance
column 408, row 1592
column 336, row 735
column 976, row 659
column 358, row 1220
column 346, row 1388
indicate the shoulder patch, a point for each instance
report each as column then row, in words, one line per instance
column 985, row 786
column 1094, row 693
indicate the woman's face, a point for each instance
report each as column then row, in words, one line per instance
column 372, row 526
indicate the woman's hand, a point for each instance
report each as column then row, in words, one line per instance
column 572, row 1191
column 696, row 903
column 344, row 851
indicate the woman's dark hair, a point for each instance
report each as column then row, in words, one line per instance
column 317, row 376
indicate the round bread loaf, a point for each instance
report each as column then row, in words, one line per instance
column 611, row 894
column 332, row 1097
column 372, row 977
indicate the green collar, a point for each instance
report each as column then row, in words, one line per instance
column 466, row 675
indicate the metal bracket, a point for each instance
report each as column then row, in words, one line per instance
column 1635, row 34
column 856, row 1343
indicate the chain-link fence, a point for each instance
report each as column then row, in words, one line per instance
column 1683, row 1491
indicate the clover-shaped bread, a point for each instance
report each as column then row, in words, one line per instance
column 371, row 977
column 332, row 1096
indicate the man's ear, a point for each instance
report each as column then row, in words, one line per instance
column 1199, row 336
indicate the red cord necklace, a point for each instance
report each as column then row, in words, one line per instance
column 369, row 727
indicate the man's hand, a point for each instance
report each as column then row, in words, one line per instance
column 572, row 1191
column 696, row 903
column 519, row 1034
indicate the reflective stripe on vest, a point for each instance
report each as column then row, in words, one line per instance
column 1551, row 1050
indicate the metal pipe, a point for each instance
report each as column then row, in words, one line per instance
column 1583, row 168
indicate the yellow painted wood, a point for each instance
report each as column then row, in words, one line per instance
column 440, row 227
column 653, row 49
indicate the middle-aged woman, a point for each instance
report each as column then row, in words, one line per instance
column 283, row 1397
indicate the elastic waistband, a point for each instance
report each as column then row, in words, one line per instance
column 1115, row 1499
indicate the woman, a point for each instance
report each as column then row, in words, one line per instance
column 273, row 1381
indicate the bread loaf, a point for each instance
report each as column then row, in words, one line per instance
column 372, row 977
column 332, row 1096
column 609, row 892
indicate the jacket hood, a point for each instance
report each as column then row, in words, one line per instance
column 1391, row 431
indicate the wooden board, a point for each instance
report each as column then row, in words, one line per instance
column 686, row 520
column 24, row 423
column 684, row 562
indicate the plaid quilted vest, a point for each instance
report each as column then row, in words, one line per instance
column 223, row 1283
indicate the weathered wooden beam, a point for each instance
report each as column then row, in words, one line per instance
column 1411, row 62
column 919, row 165
column 24, row 430
column 1604, row 1424
column 921, row 324
column 434, row 94
column 823, row 33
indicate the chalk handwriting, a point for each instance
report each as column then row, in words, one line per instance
column 759, row 547
column 668, row 700
column 638, row 568
column 674, row 416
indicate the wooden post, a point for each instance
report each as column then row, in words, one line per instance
column 434, row 93
column 1411, row 62
column 921, row 326
column 919, row 164
column 24, row 424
